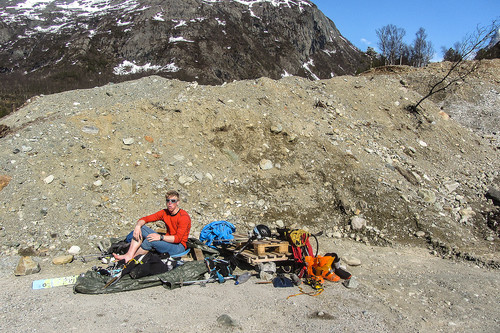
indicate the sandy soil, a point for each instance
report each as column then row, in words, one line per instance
column 403, row 289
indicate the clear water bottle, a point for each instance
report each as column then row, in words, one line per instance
column 243, row 278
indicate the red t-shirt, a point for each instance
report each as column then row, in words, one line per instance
column 178, row 225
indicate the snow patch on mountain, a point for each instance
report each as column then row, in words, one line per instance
column 18, row 11
column 275, row 3
column 306, row 66
column 179, row 39
column 130, row 67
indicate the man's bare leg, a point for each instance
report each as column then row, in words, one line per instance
column 134, row 250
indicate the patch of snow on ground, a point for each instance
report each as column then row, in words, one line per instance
column 306, row 67
column 29, row 4
column 221, row 22
column 128, row 67
column 170, row 68
column 275, row 3
column 180, row 23
column 179, row 39
column 32, row 9
column 51, row 29
column 158, row 17
column 330, row 52
column 121, row 24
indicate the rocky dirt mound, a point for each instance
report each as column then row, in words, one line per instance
column 474, row 104
column 341, row 156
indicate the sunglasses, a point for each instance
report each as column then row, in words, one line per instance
column 172, row 200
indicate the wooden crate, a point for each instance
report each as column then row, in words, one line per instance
column 261, row 247
column 263, row 251
column 254, row 259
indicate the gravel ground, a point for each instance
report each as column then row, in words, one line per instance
column 402, row 289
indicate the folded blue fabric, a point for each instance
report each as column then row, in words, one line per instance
column 216, row 233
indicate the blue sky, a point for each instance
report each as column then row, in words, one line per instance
column 444, row 21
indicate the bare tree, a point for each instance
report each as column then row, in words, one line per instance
column 461, row 68
column 391, row 43
column 421, row 51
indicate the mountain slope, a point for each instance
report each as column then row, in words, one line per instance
column 83, row 43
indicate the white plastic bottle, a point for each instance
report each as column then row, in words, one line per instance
column 243, row 278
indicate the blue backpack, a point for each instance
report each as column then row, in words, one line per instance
column 216, row 233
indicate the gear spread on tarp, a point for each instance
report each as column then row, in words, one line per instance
column 145, row 270
column 92, row 282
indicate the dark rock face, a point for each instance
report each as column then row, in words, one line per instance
column 195, row 40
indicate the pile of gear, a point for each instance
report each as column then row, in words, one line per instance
column 218, row 264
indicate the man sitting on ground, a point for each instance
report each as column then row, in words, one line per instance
column 143, row 239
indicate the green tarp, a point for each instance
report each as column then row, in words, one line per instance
column 92, row 282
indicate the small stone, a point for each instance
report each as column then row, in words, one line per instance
column 427, row 195
column 351, row 283
column 444, row 115
column 98, row 183
column 358, row 223
column 74, row 250
column 185, row 180
column 178, row 158
column 323, row 315
column 292, row 137
column 4, row 181
column 104, row 172
column 26, row 266
column 467, row 212
column 149, row 139
column 422, row 143
column 280, row 224
column 44, row 211
column 420, row 234
column 353, row 261
column 451, row 186
column 337, row 234
column 276, row 129
column 209, row 176
column 26, row 149
column 129, row 186
column 128, row 141
column 226, row 320
column 266, row 164
column 49, row 179
column 62, row 260
column 90, row 130
column 490, row 238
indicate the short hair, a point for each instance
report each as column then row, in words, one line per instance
column 172, row 194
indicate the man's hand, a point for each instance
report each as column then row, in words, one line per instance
column 137, row 234
column 153, row 237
